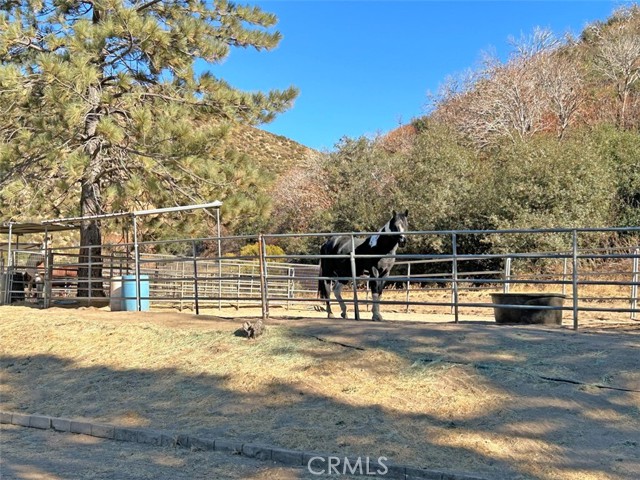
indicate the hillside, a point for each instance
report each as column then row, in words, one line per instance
column 549, row 85
column 291, row 180
column 276, row 152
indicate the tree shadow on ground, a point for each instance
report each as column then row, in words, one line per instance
column 576, row 393
column 558, row 419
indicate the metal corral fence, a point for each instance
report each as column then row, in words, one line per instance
column 603, row 280
column 594, row 280
column 182, row 281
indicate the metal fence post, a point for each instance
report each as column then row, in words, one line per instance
column 9, row 272
column 89, row 281
column 575, row 279
column 195, row 278
column 238, row 287
column 356, row 307
column 136, row 251
column 507, row 275
column 264, row 293
column 634, row 284
column 184, row 274
column 290, row 286
column 219, row 259
column 48, row 279
column 366, row 295
column 408, row 286
column 454, row 249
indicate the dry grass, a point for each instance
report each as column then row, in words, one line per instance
column 417, row 397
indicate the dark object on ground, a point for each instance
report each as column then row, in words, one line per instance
column 255, row 329
column 518, row 308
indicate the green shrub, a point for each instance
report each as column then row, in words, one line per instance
column 253, row 249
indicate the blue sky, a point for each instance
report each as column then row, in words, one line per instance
column 364, row 67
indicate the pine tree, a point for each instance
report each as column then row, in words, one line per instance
column 103, row 108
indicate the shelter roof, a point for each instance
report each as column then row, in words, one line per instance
column 60, row 224
column 25, row 228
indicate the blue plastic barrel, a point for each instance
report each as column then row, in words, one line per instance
column 129, row 290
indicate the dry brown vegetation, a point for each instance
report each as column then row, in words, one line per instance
column 469, row 397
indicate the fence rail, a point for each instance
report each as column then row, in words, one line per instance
column 593, row 280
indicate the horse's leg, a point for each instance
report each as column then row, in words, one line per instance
column 39, row 283
column 376, row 284
column 327, row 289
column 28, row 283
column 324, row 286
column 337, row 291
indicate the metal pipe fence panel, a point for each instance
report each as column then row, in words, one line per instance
column 446, row 281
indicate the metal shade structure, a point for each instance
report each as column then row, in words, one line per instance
column 136, row 213
column 74, row 223
column 28, row 228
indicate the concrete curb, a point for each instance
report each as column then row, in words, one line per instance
column 293, row 458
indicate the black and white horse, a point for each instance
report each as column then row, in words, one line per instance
column 378, row 267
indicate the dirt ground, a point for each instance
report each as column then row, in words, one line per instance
column 27, row 453
column 502, row 401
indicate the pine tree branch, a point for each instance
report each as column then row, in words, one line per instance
column 179, row 100
column 20, row 168
column 201, row 179
column 29, row 44
column 147, row 5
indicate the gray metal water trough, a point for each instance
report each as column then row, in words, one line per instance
column 519, row 308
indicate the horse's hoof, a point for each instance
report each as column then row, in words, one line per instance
column 344, row 315
column 331, row 315
column 377, row 318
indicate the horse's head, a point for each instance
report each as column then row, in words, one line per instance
column 400, row 224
